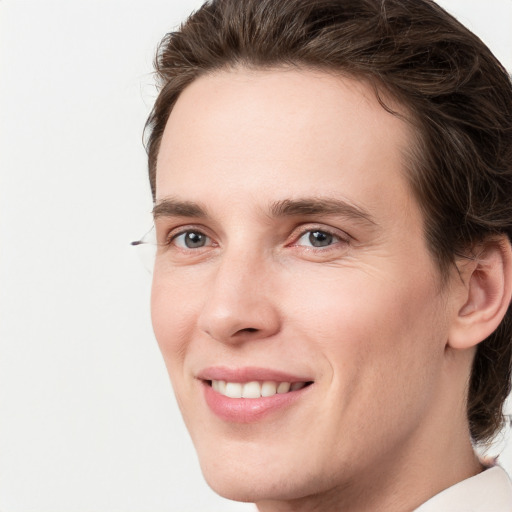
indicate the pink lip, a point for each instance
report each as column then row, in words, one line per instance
column 248, row 374
column 248, row 410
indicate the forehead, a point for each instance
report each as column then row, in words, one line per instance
column 281, row 130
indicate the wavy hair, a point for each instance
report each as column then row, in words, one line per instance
column 458, row 97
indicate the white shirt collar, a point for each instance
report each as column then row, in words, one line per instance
column 489, row 491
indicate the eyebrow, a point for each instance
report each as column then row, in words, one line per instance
column 170, row 207
column 319, row 206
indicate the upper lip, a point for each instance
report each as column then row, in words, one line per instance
column 248, row 374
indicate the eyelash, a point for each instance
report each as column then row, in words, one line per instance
column 171, row 238
column 337, row 236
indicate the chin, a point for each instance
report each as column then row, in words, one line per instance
column 236, row 490
column 249, row 480
column 245, row 488
column 239, row 478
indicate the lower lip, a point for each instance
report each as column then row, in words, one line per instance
column 248, row 410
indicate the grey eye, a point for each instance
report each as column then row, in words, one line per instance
column 191, row 240
column 317, row 238
column 320, row 238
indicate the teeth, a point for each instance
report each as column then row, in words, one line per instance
column 268, row 389
column 233, row 390
column 251, row 390
column 254, row 389
column 283, row 387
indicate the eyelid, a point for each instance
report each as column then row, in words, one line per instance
column 299, row 232
column 183, row 245
column 169, row 234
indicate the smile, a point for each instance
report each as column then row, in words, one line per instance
column 254, row 389
column 250, row 394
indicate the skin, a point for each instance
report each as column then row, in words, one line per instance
column 365, row 317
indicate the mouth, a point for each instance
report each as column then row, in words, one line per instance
column 255, row 389
column 248, row 395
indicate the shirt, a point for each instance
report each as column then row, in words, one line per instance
column 489, row 491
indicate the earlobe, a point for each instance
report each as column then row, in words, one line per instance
column 487, row 283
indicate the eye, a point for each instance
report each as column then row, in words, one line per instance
column 318, row 238
column 190, row 240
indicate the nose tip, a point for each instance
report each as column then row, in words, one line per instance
column 238, row 321
column 239, row 307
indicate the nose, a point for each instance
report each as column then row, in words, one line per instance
column 239, row 305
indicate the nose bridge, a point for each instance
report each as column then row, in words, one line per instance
column 238, row 304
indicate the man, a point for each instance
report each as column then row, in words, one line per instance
column 332, row 184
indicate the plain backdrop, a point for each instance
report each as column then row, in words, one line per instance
column 88, row 422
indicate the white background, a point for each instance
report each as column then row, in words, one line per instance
column 87, row 418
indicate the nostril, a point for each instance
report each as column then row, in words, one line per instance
column 248, row 329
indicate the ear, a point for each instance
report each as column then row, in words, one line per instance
column 485, row 287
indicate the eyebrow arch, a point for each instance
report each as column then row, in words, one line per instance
column 170, row 207
column 319, row 206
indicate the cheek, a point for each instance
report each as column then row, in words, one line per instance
column 172, row 313
column 370, row 307
column 378, row 337
column 398, row 347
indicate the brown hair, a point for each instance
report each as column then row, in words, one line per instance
column 459, row 95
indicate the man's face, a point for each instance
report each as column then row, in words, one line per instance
column 293, row 252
